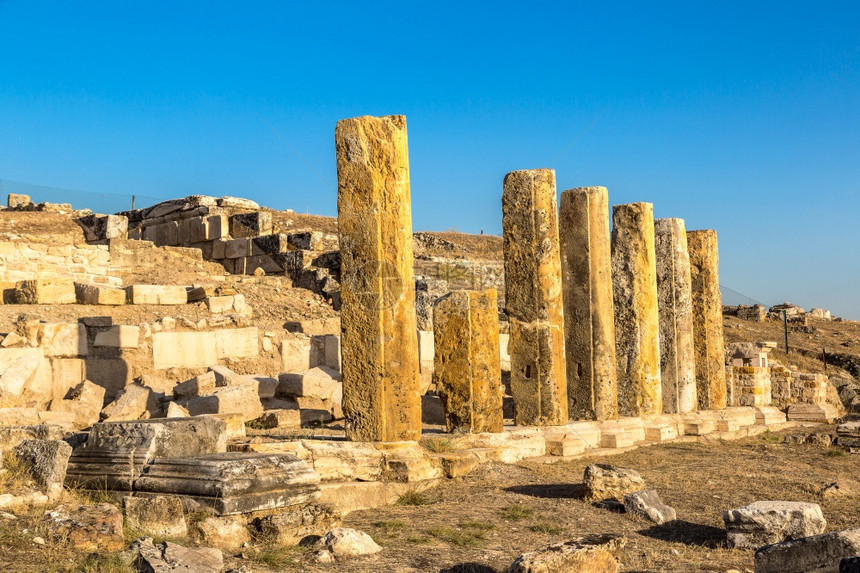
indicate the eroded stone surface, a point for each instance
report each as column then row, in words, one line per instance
column 637, row 324
column 533, row 297
column 589, row 323
column 467, row 373
column 378, row 321
column 707, row 320
column 763, row 522
column 647, row 504
column 589, row 554
column 675, row 308
column 603, row 481
column 814, row 553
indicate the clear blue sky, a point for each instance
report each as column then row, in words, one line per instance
column 738, row 116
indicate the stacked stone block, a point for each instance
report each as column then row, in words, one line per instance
column 751, row 386
column 533, row 297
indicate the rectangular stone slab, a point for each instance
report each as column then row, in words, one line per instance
column 234, row 482
column 381, row 401
column 116, row 452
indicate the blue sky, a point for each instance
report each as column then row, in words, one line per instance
column 742, row 117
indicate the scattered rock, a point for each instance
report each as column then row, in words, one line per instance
column 88, row 527
column 816, row 553
column 169, row 557
column 130, row 405
column 763, row 522
column 603, row 481
column 348, row 542
column 592, row 554
column 295, row 523
column 647, row 504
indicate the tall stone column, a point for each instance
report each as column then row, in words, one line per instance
column 674, row 304
column 533, row 297
column 466, row 371
column 708, row 343
column 637, row 324
column 378, row 323
column 589, row 338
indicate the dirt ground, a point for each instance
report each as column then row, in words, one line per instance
column 500, row 511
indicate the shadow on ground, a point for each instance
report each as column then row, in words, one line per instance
column 469, row 568
column 681, row 531
column 551, row 491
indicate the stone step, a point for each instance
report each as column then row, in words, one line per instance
column 233, row 482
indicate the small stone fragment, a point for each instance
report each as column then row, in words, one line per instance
column 648, row 504
column 348, row 542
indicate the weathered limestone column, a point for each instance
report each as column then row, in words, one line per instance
column 533, row 297
column 637, row 324
column 589, row 337
column 466, row 371
column 707, row 320
column 378, row 322
column 675, row 307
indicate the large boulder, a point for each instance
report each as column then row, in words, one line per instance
column 604, row 481
column 818, row 553
column 763, row 522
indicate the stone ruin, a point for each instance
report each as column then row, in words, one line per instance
column 614, row 341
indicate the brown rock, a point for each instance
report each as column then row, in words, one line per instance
column 378, row 321
column 467, row 372
column 46, row 291
column 88, row 527
column 592, row 379
column 159, row 516
column 589, row 554
column 533, row 297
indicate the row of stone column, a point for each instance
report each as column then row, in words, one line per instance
column 607, row 308
column 642, row 315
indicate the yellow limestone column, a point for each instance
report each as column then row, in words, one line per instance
column 378, row 322
column 533, row 297
column 589, row 342
column 637, row 324
column 677, row 359
column 707, row 319
column 467, row 369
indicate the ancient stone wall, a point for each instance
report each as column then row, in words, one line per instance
column 87, row 264
column 750, row 386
